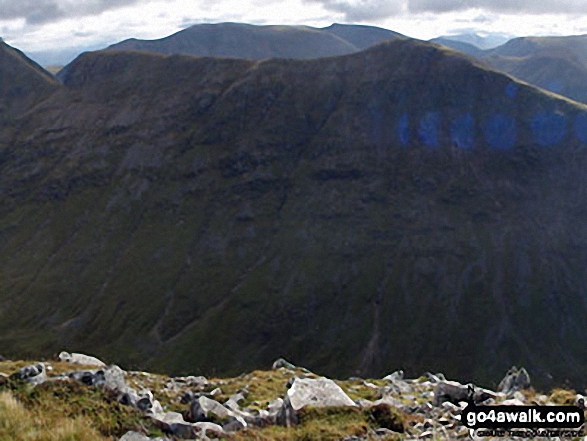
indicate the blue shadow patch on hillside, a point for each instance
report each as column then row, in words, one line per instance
column 581, row 127
column 548, row 128
column 428, row 129
column 501, row 132
column 462, row 131
column 511, row 90
column 403, row 129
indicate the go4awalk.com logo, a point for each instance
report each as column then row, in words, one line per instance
column 523, row 421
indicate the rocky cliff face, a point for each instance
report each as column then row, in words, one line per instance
column 399, row 207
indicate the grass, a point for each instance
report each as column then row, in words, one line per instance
column 332, row 423
column 72, row 401
column 17, row 423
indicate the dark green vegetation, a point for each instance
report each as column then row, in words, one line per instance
column 557, row 64
column 242, row 40
column 209, row 215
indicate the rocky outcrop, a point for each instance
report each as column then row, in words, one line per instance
column 455, row 393
column 514, row 380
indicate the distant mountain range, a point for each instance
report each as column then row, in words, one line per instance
column 487, row 41
column 400, row 207
column 242, row 40
column 556, row 64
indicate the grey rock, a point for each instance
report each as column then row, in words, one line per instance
column 187, row 397
column 282, row 363
column 397, row 375
column 205, row 409
column 435, row 378
column 34, row 374
column 515, row 379
column 173, row 423
column 274, row 407
column 287, row 416
column 87, row 360
column 580, row 401
column 136, row 436
column 216, row 391
column 89, row 378
column 234, row 424
column 204, row 429
column 319, row 392
column 457, row 392
column 232, row 402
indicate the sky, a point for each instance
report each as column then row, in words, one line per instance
column 54, row 31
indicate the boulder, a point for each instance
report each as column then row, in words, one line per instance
column 456, row 392
column 136, row 436
column 515, row 379
column 319, row 392
column 282, row 363
column 205, row 409
column 204, row 429
column 174, row 424
column 87, row 360
column 34, row 374
column 397, row 375
column 112, row 379
column 89, row 378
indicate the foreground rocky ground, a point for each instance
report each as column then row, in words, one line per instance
column 81, row 398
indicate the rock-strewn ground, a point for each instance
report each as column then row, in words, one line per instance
column 284, row 403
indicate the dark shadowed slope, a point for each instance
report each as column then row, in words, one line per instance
column 23, row 83
column 401, row 207
column 241, row 40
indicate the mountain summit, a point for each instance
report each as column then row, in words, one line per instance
column 241, row 40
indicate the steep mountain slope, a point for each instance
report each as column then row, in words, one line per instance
column 556, row 64
column 401, row 207
column 260, row 42
column 23, row 83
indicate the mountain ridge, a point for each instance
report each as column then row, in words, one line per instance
column 403, row 205
column 240, row 40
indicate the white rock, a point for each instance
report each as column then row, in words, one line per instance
column 87, row 360
column 319, row 392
